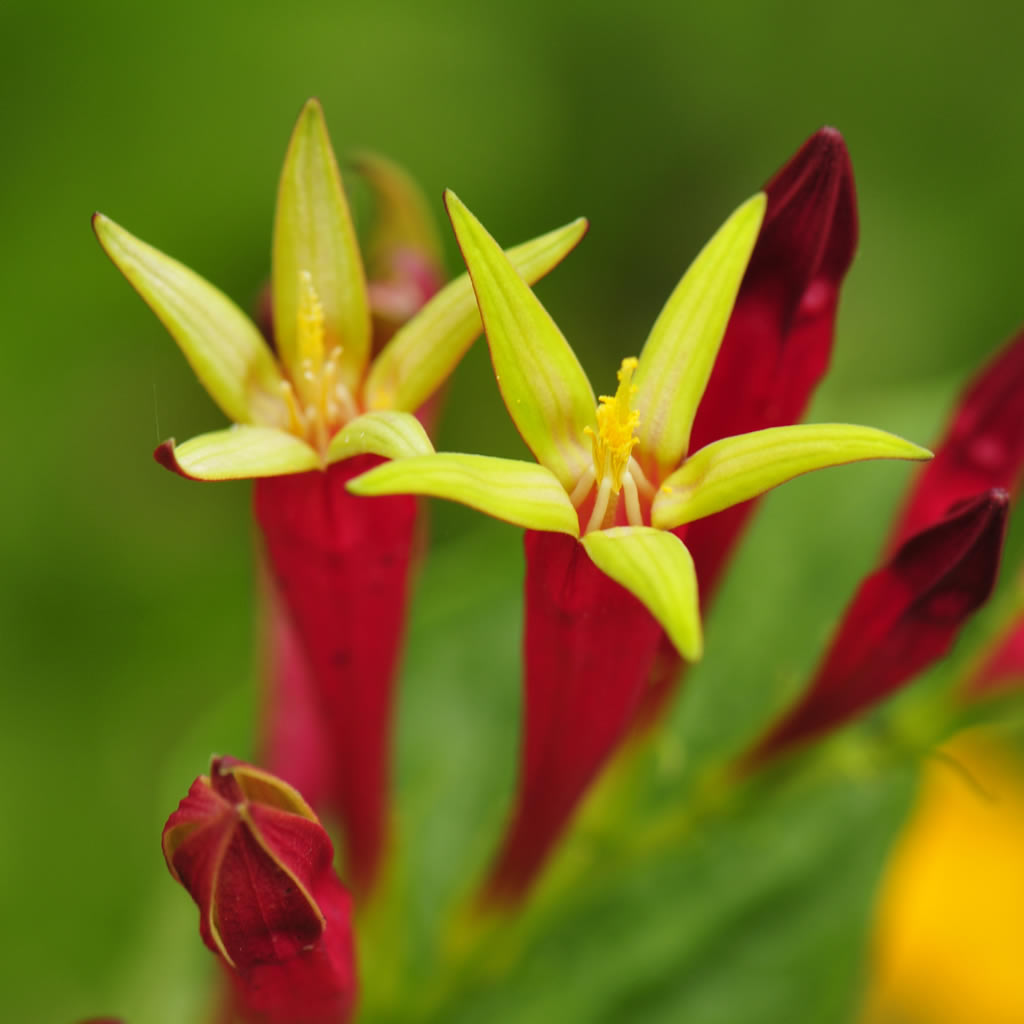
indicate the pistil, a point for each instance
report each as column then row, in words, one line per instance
column 612, row 446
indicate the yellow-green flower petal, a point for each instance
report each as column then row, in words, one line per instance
column 313, row 235
column 676, row 360
column 239, row 453
column 224, row 348
column 738, row 468
column 422, row 353
column 521, row 493
column 401, row 216
column 655, row 567
column 544, row 387
column 395, row 435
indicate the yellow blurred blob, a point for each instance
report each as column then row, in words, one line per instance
column 949, row 944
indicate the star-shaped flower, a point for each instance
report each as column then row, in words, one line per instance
column 618, row 474
column 347, row 379
column 320, row 397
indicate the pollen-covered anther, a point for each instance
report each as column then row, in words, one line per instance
column 612, row 446
column 319, row 403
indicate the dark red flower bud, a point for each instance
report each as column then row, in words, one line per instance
column 983, row 447
column 778, row 342
column 257, row 862
column 589, row 646
column 903, row 617
column 780, row 334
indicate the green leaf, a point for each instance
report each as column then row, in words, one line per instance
column 222, row 345
column 760, row 912
column 544, row 387
column 520, row 493
column 239, row 453
column 680, row 351
column 423, row 352
column 657, row 569
column 395, row 435
column 738, row 468
column 313, row 235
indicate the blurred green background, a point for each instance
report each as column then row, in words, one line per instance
column 127, row 608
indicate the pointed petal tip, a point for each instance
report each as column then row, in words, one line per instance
column 827, row 140
column 454, row 206
column 164, row 453
column 990, row 509
column 103, row 226
column 811, row 226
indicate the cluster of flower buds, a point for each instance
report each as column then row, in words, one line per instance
column 630, row 513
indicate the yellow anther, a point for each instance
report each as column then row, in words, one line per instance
column 309, row 323
column 613, row 441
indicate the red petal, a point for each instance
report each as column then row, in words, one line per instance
column 983, row 448
column 316, row 987
column 258, row 912
column 589, row 645
column 779, row 338
column 777, row 344
column 258, row 864
column 904, row 617
column 250, row 866
column 296, row 745
column 341, row 564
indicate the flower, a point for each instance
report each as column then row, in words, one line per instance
column 945, row 550
column 946, row 947
column 319, row 398
column 776, row 347
column 619, row 478
column 311, row 412
column 605, row 569
column 257, row 862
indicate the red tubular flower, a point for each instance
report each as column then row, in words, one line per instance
column 946, row 548
column 340, row 568
column 777, row 345
column 983, row 447
column 348, row 378
column 904, row 616
column 615, row 479
column 576, row 619
column 341, row 565
column 257, row 862
column 294, row 742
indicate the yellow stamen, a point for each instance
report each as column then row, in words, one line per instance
column 310, row 325
column 320, row 402
column 613, row 441
column 296, row 421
